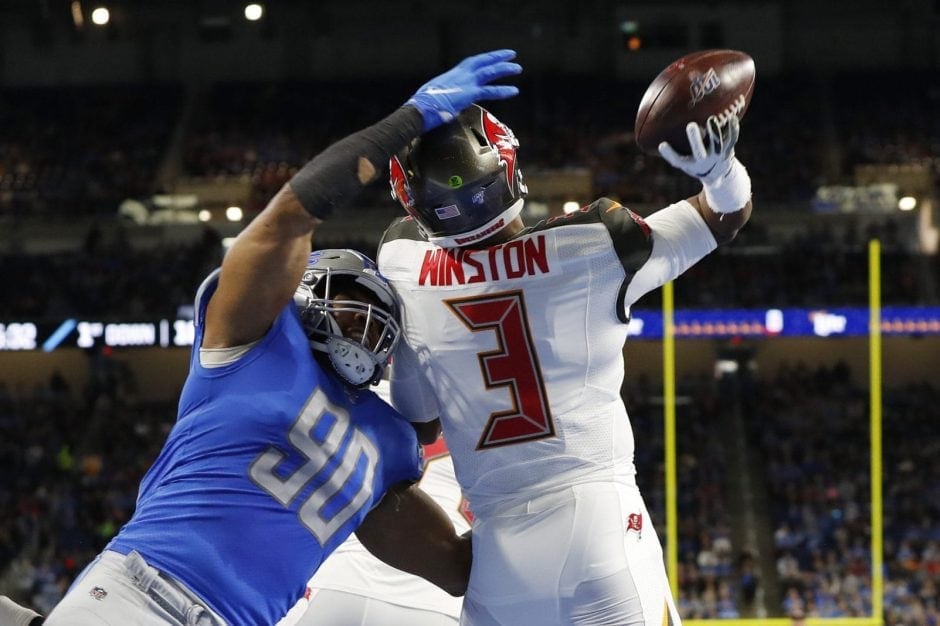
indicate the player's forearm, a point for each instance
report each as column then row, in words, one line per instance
column 724, row 226
column 409, row 531
column 337, row 175
column 266, row 262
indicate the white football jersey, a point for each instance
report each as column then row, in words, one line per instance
column 353, row 569
column 518, row 347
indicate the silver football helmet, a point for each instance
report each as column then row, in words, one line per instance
column 354, row 358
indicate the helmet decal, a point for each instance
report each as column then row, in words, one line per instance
column 447, row 212
column 504, row 142
column 401, row 190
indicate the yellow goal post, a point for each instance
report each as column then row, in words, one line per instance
column 875, row 468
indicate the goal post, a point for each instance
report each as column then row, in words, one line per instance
column 875, row 465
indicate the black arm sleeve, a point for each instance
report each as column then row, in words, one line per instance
column 337, row 175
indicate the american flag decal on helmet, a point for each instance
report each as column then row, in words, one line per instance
column 447, row 212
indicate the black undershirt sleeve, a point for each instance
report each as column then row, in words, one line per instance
column 337, row 175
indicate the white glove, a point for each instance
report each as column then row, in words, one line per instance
column 706, row 163
column 726, row 182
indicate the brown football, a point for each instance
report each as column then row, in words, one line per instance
column 692, row 89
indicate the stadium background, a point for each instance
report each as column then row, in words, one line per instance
column 124, row 146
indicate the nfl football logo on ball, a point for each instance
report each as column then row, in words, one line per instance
column 702, row 85
column 694, row 88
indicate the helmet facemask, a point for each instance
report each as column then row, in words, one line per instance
column 354, row 358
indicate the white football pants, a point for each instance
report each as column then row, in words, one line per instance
column 585, row 555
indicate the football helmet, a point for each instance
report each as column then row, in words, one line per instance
column 353, row 358
column 460, row 181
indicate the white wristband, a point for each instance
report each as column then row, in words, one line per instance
column 730, row 192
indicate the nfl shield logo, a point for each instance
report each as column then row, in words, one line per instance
column 98, row 593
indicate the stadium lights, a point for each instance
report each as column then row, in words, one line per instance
column 570, row 207
column 233, row 213
column 78, row 20
column 204, row 215
column 630, row 35
column 907, row 203
column 254, row 12
column 100, row 16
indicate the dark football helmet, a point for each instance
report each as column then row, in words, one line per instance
column 354, row 359
column 460, row 181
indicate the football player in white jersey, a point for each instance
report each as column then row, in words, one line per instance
column 353, row 588
column 514, row 336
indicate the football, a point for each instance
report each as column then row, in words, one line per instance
column 692, row 89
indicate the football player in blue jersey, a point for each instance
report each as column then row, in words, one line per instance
column 280, row 451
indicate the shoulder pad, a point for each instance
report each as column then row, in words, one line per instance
column 632, row 237
column 402, row 228
column 629, row 232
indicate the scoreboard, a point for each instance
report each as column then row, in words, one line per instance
column 84, row 333
column 49, row 335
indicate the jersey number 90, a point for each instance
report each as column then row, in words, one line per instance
column 318, row 434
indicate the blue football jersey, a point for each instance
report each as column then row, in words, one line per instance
column 271, row 464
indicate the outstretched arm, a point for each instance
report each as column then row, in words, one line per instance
column 725, row 200
column 410, row 531
column 685, row 232
column 265, row 264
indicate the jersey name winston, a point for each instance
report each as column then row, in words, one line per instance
column 464, row 266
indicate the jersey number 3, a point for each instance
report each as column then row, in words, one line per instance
column 514, row 364
column 342, row 492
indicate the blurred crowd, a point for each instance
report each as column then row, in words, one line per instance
column 114, row 142
column 74, row 458
column 811, row 426
column 106, row 145
column 72, row 461
column 717, row 578
column 800, row 132
column 108, row 276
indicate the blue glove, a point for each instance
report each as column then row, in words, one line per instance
column 442, row 98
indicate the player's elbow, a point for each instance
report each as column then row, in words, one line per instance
column 427, row 432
